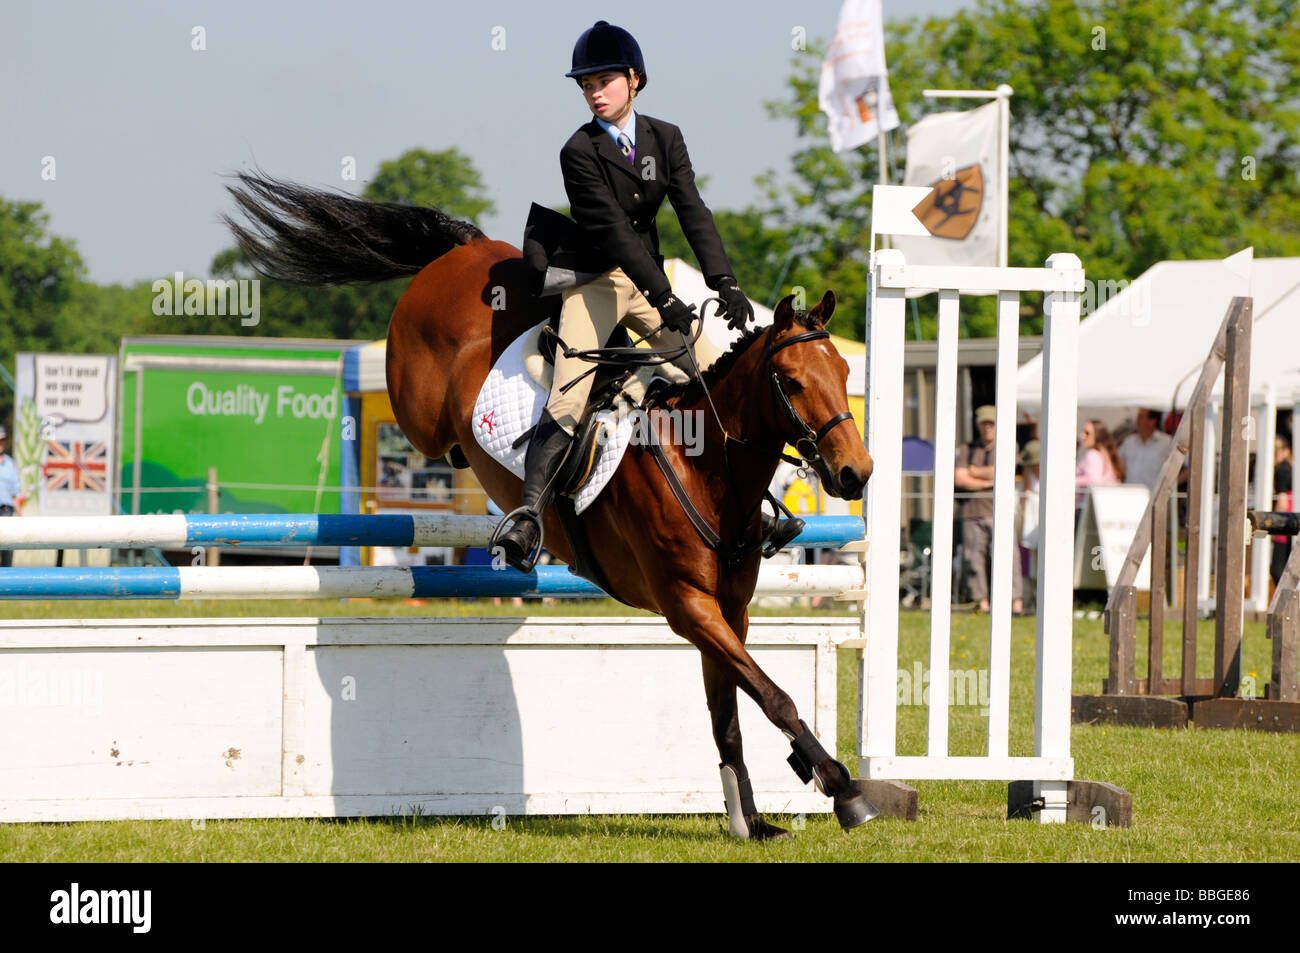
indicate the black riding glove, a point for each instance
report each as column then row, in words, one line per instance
column 739, row 311
column 675, row 314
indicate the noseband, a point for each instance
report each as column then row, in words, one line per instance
column 809, row 440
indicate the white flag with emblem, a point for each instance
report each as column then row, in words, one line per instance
column 854, row 87
column 955, row 155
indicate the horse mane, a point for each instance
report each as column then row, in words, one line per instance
column 691, row 389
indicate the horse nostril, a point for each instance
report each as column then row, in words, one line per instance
column 851, row 483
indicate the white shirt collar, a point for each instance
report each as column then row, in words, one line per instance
column 615, row 132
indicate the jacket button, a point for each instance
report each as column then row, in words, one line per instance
column 636, row 195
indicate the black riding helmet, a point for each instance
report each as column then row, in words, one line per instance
column 606, row 47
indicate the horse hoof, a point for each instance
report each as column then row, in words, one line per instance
column 854, row 811
column 760, row 829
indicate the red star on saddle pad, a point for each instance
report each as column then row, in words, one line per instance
column 486, row 421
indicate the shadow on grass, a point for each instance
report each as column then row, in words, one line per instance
column 703, row 828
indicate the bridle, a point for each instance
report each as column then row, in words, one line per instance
column 809, row 441
column 806, row 443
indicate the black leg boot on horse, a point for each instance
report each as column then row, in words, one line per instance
column 811, row 762
column 522, row 543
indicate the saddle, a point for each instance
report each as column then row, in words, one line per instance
column 615, row 388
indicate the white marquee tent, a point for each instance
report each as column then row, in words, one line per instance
column 1144, row 346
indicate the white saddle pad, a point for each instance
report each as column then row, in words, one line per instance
column 511, row 402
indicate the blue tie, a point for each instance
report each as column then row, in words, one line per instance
column 625, row 144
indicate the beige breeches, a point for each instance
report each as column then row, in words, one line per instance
column 589, row 316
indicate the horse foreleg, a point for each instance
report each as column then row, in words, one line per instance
column 698, row 618
column 743, row 817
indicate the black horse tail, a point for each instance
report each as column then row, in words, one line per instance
column 310, row 237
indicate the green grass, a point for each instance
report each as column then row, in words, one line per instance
column 1197, row 795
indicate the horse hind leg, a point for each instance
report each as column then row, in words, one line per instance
column 743, row 818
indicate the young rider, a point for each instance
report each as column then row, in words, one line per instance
column 618, row 169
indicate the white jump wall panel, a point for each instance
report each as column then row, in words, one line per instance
column 192, row 718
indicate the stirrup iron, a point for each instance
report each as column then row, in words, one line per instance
column 509, row 523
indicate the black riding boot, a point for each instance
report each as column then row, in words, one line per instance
column 778, row 533
column 546, row 451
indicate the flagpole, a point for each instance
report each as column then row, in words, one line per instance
column 882, row 147
column 1004, row 162
column 884, row 151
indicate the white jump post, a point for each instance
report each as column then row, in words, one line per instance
column 1050, row 767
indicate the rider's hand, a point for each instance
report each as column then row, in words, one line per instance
column 675, row 314
column 739, row 311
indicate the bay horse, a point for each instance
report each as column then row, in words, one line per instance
column 467, row 301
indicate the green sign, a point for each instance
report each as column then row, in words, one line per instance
column 266, row 417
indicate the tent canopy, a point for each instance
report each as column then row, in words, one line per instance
column 1144, row 347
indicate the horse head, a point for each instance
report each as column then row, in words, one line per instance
column 808, row 382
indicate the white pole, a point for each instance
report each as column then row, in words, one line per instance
column 1056, row 525
column 941, row 544
column 883, row 505
column 1004, row 170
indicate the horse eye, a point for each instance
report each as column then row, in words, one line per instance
column 790, row 384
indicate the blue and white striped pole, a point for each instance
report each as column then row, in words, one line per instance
column 369, row 582
column 302, row 529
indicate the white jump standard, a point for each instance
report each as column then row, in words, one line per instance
column 1053, row 793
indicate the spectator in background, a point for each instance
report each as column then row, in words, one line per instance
column 1100, row 464
column 1027, row 510
column 1144, row 453
column 1283, row 500
column 9, row 490
column 974, row 474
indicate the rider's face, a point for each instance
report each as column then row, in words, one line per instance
column 608, row 96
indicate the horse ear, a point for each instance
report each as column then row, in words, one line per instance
column 784, row 313
column 824, row 308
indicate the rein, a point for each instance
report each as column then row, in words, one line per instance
column 807, row 444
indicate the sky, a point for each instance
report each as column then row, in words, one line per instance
column 123, row 130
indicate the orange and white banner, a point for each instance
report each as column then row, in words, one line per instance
column 854, row 87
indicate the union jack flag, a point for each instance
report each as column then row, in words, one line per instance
column 76, row 466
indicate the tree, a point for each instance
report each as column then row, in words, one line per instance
column 1141, row 130
column 445, row 180
column 38, row 274
column 757, row 252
